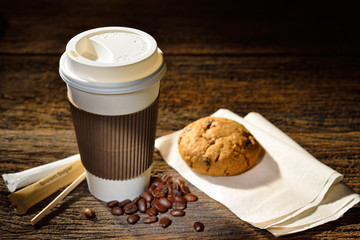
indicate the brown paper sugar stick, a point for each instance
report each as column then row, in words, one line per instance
column 36, row 192
column 60, row 197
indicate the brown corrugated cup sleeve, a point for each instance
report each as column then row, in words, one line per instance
column 116, row 147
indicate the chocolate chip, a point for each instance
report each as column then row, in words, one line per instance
column 207, row 161
column 208, row 123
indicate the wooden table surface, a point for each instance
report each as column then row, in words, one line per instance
column 296, row 64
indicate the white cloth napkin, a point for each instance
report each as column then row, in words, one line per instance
column 287, row 191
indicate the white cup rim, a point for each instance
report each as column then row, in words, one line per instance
column 110, row 88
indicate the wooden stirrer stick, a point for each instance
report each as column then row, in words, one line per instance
column 60, row 197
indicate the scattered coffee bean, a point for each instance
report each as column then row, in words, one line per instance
column 175, row 186
column 130, row 208
column 166, row 178
column 184, row 189
column 151, row 188
column 165, row 222
column 158, row 206
column 112, row 204
column 155, row 180
column 136, row 200
column 177, row 213
column 177, row 192
column 180, row 199
column 198, row 226
column 150, row 219
column 123, row 203
column 162, row 194
column 151, row 212
column 132, row 219
column 170, row 197
column 163, row 187
column 117, row 210
column 179, row 205
column 190, row 197
column 158, row 193
column 147, row 196
column 89, row 213
column 165, row 202
column 141, row 205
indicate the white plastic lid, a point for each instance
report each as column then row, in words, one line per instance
column 112, row 60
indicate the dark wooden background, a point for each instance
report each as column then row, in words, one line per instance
column 297, row 64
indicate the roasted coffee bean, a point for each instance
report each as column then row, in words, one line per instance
column 177, row 213
column 151, row 188
column 117, row 210
column 150, row 219
column 165, row 222
column 124, row 202
column 158, row 193
column 165, row 202
column 178, row 198
column 184, row 189
column 198, row 226
column 155, row 179
column 170, row 190
column 156, row 182
column 130, row 208
column 169, row 184
column 132, row 219
column 163, row 187
column 190, row 197
column 112, row 204
column 176, row 192
column 136, row 200
column 147, row 196
column 141, row 205
column 151, row 212
column 89, row 213
column 170, row 197
column 159, row 207
column 175, row 186
column 152, row 204
column 165, row 178
column 130, row 204
column 179, row 205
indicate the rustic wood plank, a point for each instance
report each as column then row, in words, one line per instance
column 298, row 65
column 187, row 27
column 321, row 113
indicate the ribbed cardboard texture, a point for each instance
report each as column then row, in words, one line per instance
column 116, row 147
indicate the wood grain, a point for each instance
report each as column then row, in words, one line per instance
column 187, row 27
column 297, row 65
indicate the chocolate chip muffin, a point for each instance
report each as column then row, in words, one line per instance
column 218, row 147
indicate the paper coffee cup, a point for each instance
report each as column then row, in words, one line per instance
column 113, row 77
